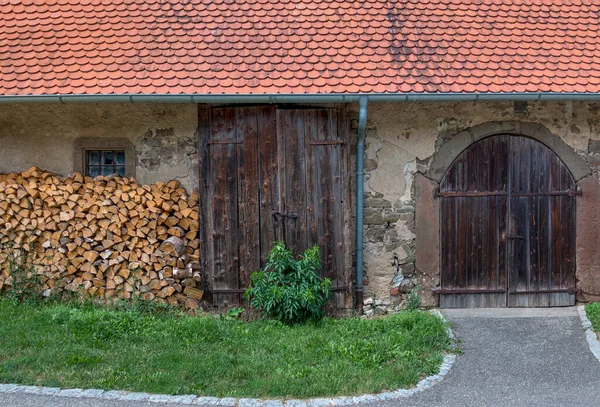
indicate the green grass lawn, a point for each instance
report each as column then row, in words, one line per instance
column 91, row 347
column 593, row 313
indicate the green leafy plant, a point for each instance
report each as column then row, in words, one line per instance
column 413, row 299
column 234, row 313
column 288, row 289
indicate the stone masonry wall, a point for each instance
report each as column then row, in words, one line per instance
column 402, row 141
column 164, row 137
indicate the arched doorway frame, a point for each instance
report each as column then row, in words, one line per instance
column 427, row 211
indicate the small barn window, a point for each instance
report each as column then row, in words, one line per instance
column 105, row 162
column 94, row 156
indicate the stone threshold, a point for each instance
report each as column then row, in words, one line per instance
column 98, row 394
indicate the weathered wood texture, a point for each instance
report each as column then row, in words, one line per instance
column 507, row 227
column 272, row 174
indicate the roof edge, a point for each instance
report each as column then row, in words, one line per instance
column 300, row 98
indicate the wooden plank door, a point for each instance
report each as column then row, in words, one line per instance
column 271, row 174
column 473, row 198
column 541, row 236
column 231, row 200
column 312, row 156
column 507, row 227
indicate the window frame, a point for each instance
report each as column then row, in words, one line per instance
column 101, row 165
column 83, row 145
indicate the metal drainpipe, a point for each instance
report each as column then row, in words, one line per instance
column 360, row 176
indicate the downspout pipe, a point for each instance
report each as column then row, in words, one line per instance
column 363, row 103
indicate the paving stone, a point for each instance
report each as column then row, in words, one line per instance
column 342, row 401
column 365, row 398
column 160, row 398
column 136, row 396
column 386, row 396
column 320, row 402
column 184, row 399
column 49, row 391
column 402, row 393
column 92, row 393
column 208, row 401
column 295, row 403
column 272, row 403
column 7, row 387
column 227, row 401
column 25, row 389
column 249, row 403
column 111, row 395
column 70, row 393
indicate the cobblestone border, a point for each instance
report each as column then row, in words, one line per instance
column 424, row 384
column 589, row 333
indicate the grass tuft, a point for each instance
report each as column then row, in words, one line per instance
column 84, row 345
column 593, row 313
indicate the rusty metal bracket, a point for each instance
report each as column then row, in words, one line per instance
column 515, row 237
column 466, row 291
column 326, row 142
column 285, row 215
column 458, row 194
column 225, row 142
column 570, row 290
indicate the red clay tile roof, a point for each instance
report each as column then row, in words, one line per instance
column 298, row 46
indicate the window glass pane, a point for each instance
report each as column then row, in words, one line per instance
column 120, row 157
column 107, row 170
column 121, row 170
column 93, row 170
column 93, row 157
column 107, row 157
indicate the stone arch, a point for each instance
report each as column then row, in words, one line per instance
column 448, row 152
column 427, row 210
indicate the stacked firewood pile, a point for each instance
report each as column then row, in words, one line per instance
column 105, row 237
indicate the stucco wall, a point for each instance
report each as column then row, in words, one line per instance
column 401, row 142
column 43, row 135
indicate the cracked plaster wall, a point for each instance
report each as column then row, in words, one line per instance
column 402, row 140
column 164, row 136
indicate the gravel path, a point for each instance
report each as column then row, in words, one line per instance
column 512, row 357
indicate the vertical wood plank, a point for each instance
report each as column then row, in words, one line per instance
column 268, row 183
column 324, row 190
column 205, row 226
column 290, row 130
column 246, row 122
column 223, row 187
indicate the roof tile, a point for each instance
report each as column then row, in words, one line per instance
column 305, row 46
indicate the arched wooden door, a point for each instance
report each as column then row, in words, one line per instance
column 507, row 227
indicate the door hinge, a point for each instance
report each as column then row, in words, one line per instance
column 285, row 215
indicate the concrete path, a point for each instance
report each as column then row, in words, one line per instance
column 512, row 357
